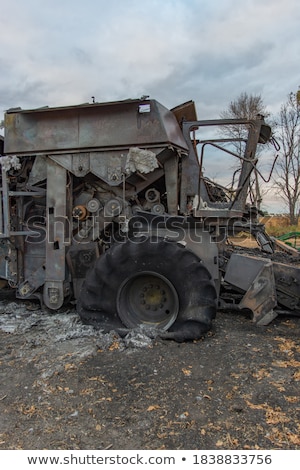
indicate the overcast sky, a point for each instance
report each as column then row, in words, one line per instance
column 63, row 52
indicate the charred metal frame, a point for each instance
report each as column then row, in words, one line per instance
column 192, row 167
column 92, row 140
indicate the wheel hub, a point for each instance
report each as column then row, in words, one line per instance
column 153, row 297
column 147, row 298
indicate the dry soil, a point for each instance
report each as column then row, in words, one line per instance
column 67, row 386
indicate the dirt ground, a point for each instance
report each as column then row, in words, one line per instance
column 66, row 386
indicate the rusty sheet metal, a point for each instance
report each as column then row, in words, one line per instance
column 242, row 270
column 255, row 276
column 287, row 278
column 185, row 112
column 121, row 124
column 261, row 296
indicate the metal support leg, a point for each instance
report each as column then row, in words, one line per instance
column 171, row 177
column 53, row 295
column 5, row 222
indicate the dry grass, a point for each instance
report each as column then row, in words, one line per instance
column 279, row 225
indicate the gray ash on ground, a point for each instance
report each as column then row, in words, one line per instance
column 65, row 385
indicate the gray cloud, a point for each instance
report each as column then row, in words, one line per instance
column 63, row 52
column 209, row 51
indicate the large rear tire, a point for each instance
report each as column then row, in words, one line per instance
column 149, row 281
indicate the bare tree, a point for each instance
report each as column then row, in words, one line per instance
column 249, row 107
column 288, row 164
column 245, row 106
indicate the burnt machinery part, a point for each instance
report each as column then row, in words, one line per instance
column 149, row 281
column 149, row 298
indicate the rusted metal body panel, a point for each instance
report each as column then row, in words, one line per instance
column 120, row 124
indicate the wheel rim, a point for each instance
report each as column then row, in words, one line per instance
column 147, row 298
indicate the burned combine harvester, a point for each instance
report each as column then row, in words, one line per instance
column 106, row 204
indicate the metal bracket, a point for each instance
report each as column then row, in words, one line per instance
column 261, row 297
column 255, row 277
column 32, row 283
